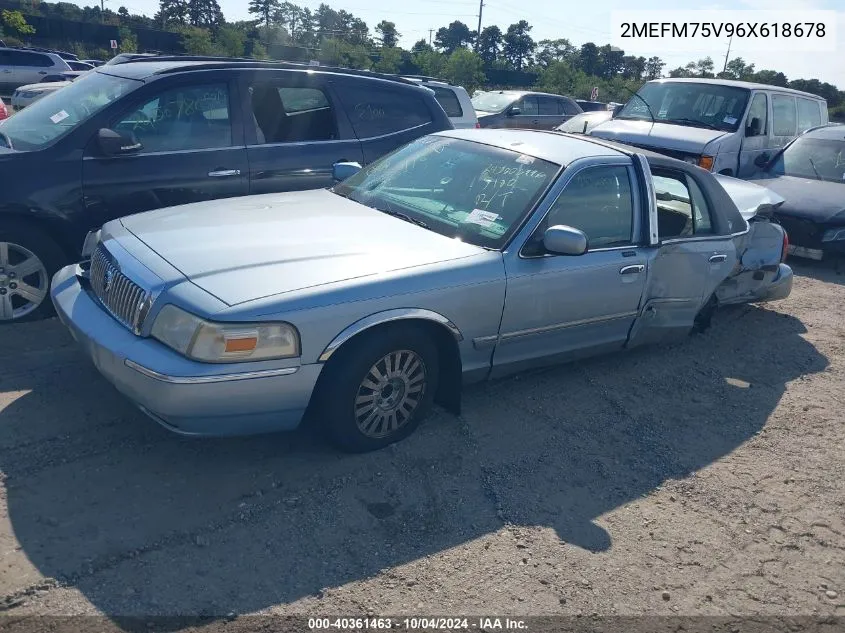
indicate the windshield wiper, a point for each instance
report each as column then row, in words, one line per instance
column 403, row 216
column 694, row 122
column 813, row 165
column 6, row 140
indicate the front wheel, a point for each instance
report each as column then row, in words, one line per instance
column 378, row 388
column 28, row 260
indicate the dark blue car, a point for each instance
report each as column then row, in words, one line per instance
column 147, row 134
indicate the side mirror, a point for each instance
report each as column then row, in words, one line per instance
column 754, row 127
column 115, row 144
column 564, row 240
column 342, row 171
column 762, row 160
column 514, row 111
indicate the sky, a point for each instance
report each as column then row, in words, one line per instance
column 579, row 21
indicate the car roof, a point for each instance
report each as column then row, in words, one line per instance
column 146, row 67
column 554, row 147
column 749, row 85
column 831, row 132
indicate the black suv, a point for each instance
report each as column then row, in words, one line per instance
column 146, row 134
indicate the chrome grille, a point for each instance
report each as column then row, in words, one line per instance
column 124, row 299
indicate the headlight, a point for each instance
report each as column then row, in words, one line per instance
column 832, row 235
column 90, row 244
column 28, row 95
column 210, row 342
column 692, row 160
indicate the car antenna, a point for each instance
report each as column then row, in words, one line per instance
column 640, row 97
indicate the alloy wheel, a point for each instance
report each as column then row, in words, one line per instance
column 24, row 281
column 390, row 393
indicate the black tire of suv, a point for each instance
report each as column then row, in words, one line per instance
column 348, row 368
column 50, row 254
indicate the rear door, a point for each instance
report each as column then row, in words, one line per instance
column 7, row 74
column 549, row 116
column 31, row 68
column 296, row 131
column 385, row 116
column 192, row 149
column 690, row 261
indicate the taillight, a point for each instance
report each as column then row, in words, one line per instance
column 477, row 125
column 785, row 247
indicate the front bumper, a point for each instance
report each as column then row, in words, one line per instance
column 187, row 397
column 780, row 287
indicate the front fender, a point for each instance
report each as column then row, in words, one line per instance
column 388, row 316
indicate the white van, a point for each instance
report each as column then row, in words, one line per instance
column 727, row 127
column 453, row 99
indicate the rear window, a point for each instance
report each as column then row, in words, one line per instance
column 448, row 100
column 809, row 114
column 21, row 58
column 376, row 111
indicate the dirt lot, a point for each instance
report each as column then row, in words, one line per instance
column 704, row 478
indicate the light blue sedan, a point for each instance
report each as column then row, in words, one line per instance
column 463, row 256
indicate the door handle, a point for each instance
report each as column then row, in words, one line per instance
column 632, row 270
column 715, row 259
column 223, row 173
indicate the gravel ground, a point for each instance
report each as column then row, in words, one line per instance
column 705, row 478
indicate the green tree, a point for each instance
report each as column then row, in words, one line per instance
column 389, row 60
column 230, row 41
column 633, row 67
column 518, row 46
column 654, row 68
column 738, row 69
column 488, row 45
column 450, row 38
column 430, row 63
column 610, row 61
column 560, row 50
column 127, row 41
column 588, row 58
column 264, row 9
column 205, row 13
column 388, row 36
column 465, row 68
column 420, row 46
column 15, row 22
column 338, row 52
column 123, row 14
column 559, row 77
column 196, row 40
column 173, row 12
column 771, row 77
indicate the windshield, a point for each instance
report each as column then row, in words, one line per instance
column 458, row 188
column 55, row 115
column 816, row 158
column 493, row 101
column 687, row 103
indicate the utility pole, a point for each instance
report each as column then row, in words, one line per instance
column 478, row 32
column 430, row 31
column 725, row 69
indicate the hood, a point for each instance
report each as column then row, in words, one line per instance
column 241, row 249
column 681, row 138
column 818, row 201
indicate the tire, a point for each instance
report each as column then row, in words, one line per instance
column 414, row 358
column 20, row 243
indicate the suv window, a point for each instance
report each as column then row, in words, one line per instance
column 758, row 110
column 568, row 107
column 682, row 210
column 185, row 118
column 529, row 106
column 376, row 111
column 809, row 114
column 23, row 58
column 548, row 105
column 783, row 115
column 448, row 100
column 292, row 114
column 598, row 202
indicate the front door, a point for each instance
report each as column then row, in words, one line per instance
column 294, row 133
column 756, row 140
column 689, row 262
column 191, row 150
column 560, row 307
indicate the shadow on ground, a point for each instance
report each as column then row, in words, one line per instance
column 143, row 522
